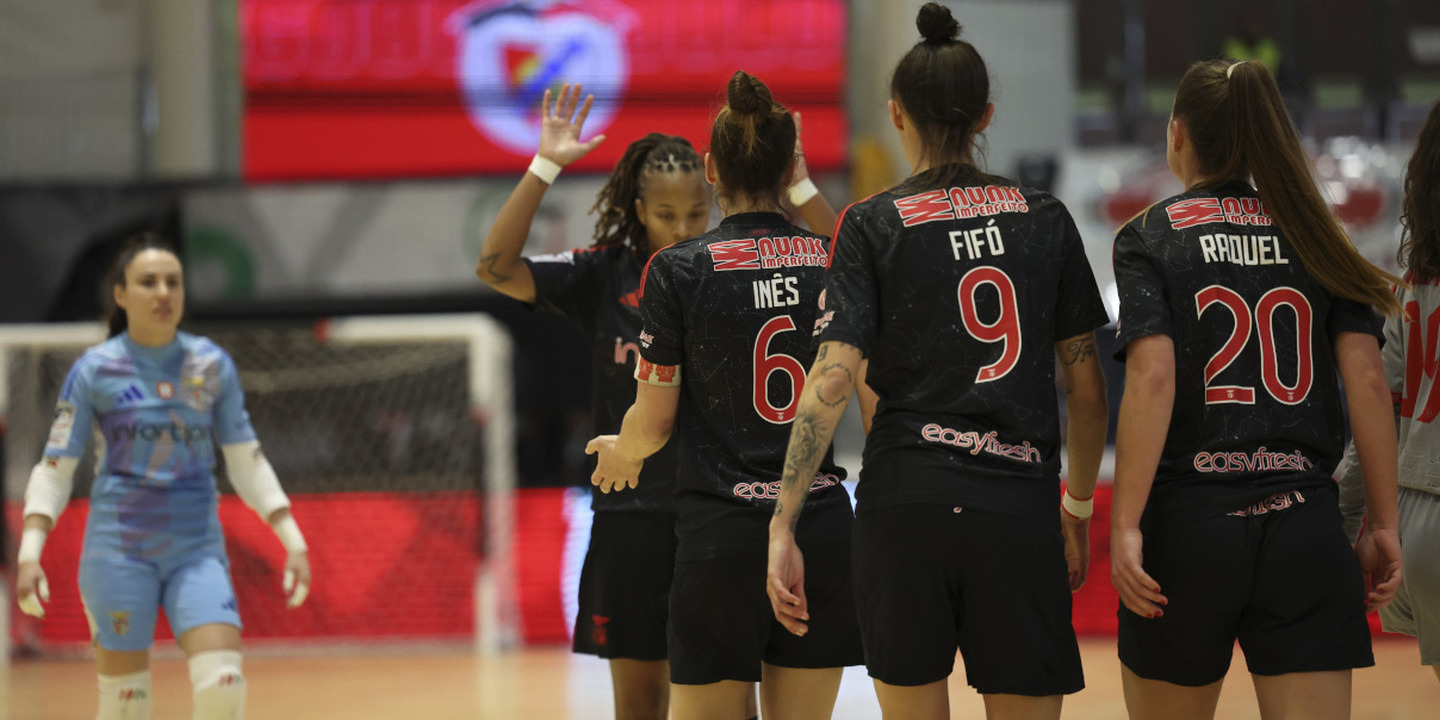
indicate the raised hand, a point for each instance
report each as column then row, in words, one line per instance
column 561, row 124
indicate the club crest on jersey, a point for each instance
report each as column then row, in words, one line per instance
column 165, row 389
column 120, row 622
column 511, row 51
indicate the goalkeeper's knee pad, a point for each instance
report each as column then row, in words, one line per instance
column 218, row 684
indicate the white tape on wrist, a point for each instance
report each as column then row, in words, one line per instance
column 32, row 543
column 1078, row 509
column 801, row 192
column 289, row 533
column 545, row 169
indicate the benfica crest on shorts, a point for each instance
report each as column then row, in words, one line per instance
column 511, row 51
column 120, row 622
column 599, row 634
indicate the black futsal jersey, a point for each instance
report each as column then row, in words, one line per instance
column 1257, row 403
column 734, row 309
column 599, row 290
column 957, row 296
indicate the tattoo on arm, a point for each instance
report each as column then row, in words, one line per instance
column 488, row 263
column 1077, row 350
column 806, row 452
column 846, row 396
column 824, row 350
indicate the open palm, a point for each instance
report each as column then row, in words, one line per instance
column 561, row 124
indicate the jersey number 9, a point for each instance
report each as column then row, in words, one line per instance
column 1005, row 329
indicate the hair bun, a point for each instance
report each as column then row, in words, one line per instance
column 747, row 95
column 936, row 24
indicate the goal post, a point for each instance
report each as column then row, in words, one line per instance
column 393, row 435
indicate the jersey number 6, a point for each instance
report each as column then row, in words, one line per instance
column 1264, row 319
column 767, row 364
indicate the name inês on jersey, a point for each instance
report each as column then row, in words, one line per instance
column 778, row 291
column 977, row 242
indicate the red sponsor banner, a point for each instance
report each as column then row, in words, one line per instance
column 385, row 565
column 402, row 566
column 395, row 88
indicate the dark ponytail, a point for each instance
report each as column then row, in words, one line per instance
column 655, row 153
column 1420, row 247
column 115, row 318
column 943, row 86
column 1239, row 128
column 752, row 142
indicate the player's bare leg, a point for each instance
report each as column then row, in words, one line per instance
column 218, row 684
column 801, row 693
column 752, row 702
column 920, row 702
column 1436, row 668
column 1309, row 695
column 724, row 700
column 642, row 689
column 1022, row 707
column 1158, row 700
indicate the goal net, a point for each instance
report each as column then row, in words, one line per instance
column 393, row 436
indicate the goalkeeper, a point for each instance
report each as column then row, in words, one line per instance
column 158, row 401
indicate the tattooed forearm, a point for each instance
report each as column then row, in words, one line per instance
column 828, row 373
column 487, row 268
column 807, row 448
column 1076, row 351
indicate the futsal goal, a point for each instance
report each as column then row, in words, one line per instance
column 394, row 437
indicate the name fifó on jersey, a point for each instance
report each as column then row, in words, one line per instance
column 1249, row 250
column 977, row 243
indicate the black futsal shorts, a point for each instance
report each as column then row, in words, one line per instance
column 1279, row 576
column 625, row 586
column 933, row 578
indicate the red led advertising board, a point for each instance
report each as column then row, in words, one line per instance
column 404, row 88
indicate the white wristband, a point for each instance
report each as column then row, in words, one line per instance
column 32, row 543
column 289, row 533
column 1078, row 509
column 801, row 192
column 545, row 169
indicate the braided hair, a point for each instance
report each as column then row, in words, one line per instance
column 654, row 154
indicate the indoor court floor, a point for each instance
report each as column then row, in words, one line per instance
column 550, row 682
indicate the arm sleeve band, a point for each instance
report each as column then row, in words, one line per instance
column 254, row 479
column 49, row 490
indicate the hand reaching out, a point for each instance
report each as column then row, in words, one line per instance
column 561, row 124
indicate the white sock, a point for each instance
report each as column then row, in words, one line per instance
column 125, row 697
column 218, row 685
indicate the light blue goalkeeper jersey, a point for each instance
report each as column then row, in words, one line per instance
column 157, row 415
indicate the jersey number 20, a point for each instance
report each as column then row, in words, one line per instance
column 1264, row 321
column 767, row 364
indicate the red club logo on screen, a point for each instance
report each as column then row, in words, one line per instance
column 511, row 51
